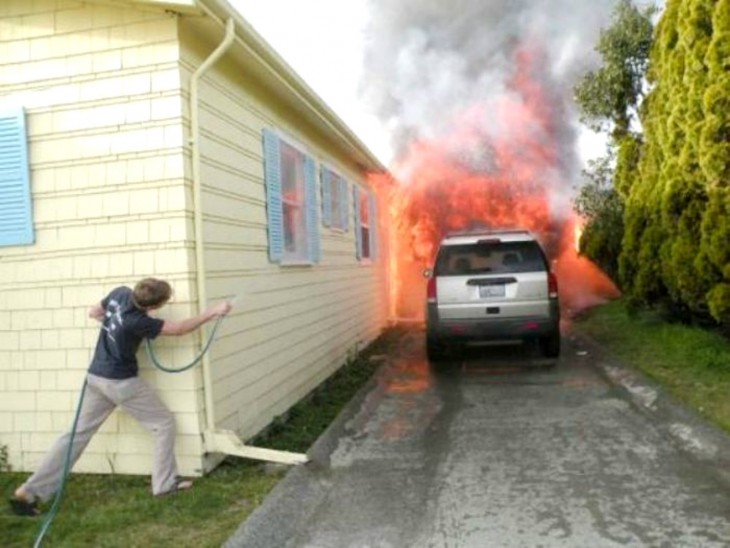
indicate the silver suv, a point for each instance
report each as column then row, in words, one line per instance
column 491, row 286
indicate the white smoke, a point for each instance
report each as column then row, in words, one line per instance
column 428, row 61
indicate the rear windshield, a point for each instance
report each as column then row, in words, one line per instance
column 490, row 258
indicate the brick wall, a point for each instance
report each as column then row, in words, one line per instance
column 101, row 91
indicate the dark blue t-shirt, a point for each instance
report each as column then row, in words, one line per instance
column 123, row 329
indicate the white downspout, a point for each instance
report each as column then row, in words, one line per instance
column 198, row 206
column 217, row 441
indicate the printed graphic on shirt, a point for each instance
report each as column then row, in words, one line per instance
column 112, row 319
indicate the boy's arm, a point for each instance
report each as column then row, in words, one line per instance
column 184, row 327
column 97, row 312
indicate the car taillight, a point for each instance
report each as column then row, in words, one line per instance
column 431, row 290
column 552, row 285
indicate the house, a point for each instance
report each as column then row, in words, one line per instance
column 165, row 138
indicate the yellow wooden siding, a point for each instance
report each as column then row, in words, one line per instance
column 293, row 325
column 101, row 89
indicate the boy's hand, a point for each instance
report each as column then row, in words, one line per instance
column 221, row 309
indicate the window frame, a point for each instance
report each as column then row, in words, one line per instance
column 278, row 148
column 334, row 201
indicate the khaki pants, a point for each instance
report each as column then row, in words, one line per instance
column 102, row 395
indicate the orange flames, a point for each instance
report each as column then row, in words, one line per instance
column 499, row 166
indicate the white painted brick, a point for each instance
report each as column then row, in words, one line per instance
column 135, row 170
column 48, row 359
column 11, row 380
column 138, row 232
column 24, row 422
column 100, row 266
column 100, row 40
column 138, row 111
column 80, row 64
column 144, row 263
column 6, row 422
column 144, row 201
column 174, row 167
column 4, row 320
column 41, row 48
column 52, row 298
column 167, row 80
column 173, row 136
column 44, row 180
column 18, row 51
column 71, row 379
column 57, row 401
column 160, row 230
column 121, row 264
column 79, row 358
column 3, row 375
column 154, row 169
column 70, row 339
column 28, row 380
column 115, row 204
column 172, row 260
column 16, row 401
column 9, row 341
column 50, row 339
column 165, row 108
column 82, row 266
column 41, row 24
column 135, row 84
column 73, row 20
column 47, row 380
column 30, row 339
column 24, row 300
column 44, row 421
column 63, row 317
column 109, row 235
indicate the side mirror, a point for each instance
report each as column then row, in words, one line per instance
column 428, row 273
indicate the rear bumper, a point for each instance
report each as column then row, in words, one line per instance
column 491, row 328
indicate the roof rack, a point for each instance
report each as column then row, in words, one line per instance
column 483, row 232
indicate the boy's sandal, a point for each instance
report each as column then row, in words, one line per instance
column 180, row 485
column 22, row 507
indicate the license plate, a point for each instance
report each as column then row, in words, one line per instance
column 488, row 291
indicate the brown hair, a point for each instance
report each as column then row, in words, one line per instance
column 151, row 293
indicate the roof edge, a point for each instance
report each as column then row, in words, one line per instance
column 302, row 92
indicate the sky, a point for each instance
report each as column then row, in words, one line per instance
column 334, row 46
column 323, row 41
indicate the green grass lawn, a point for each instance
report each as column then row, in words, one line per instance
column 115, row 510
column 693, row 363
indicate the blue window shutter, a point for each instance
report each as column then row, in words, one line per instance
column 16, row 211
column 344, row 205
column 274, row 210
column 358, row 228
column 326, row 197
column 373, row 226
column 310, row 197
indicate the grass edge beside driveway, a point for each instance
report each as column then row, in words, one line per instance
column 691, row 363
column 116, row 510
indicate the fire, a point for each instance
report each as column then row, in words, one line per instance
column 499, row 166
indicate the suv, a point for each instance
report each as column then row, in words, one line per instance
column 491, row 286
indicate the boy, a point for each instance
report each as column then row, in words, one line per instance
column 112, row 381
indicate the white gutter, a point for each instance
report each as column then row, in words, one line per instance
column 217, row 441
column 198, row 205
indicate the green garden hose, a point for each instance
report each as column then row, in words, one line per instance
column 48, row 520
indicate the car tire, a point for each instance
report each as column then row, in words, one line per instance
column 550, row 345
column 435, row 351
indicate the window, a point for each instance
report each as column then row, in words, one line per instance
column 290, row 202
column 366, row 225
column 16, row 212
column 334, row 200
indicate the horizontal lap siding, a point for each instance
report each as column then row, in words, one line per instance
column 101, row 91
column 292, row 326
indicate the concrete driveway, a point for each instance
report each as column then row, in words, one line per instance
column 498, row 451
